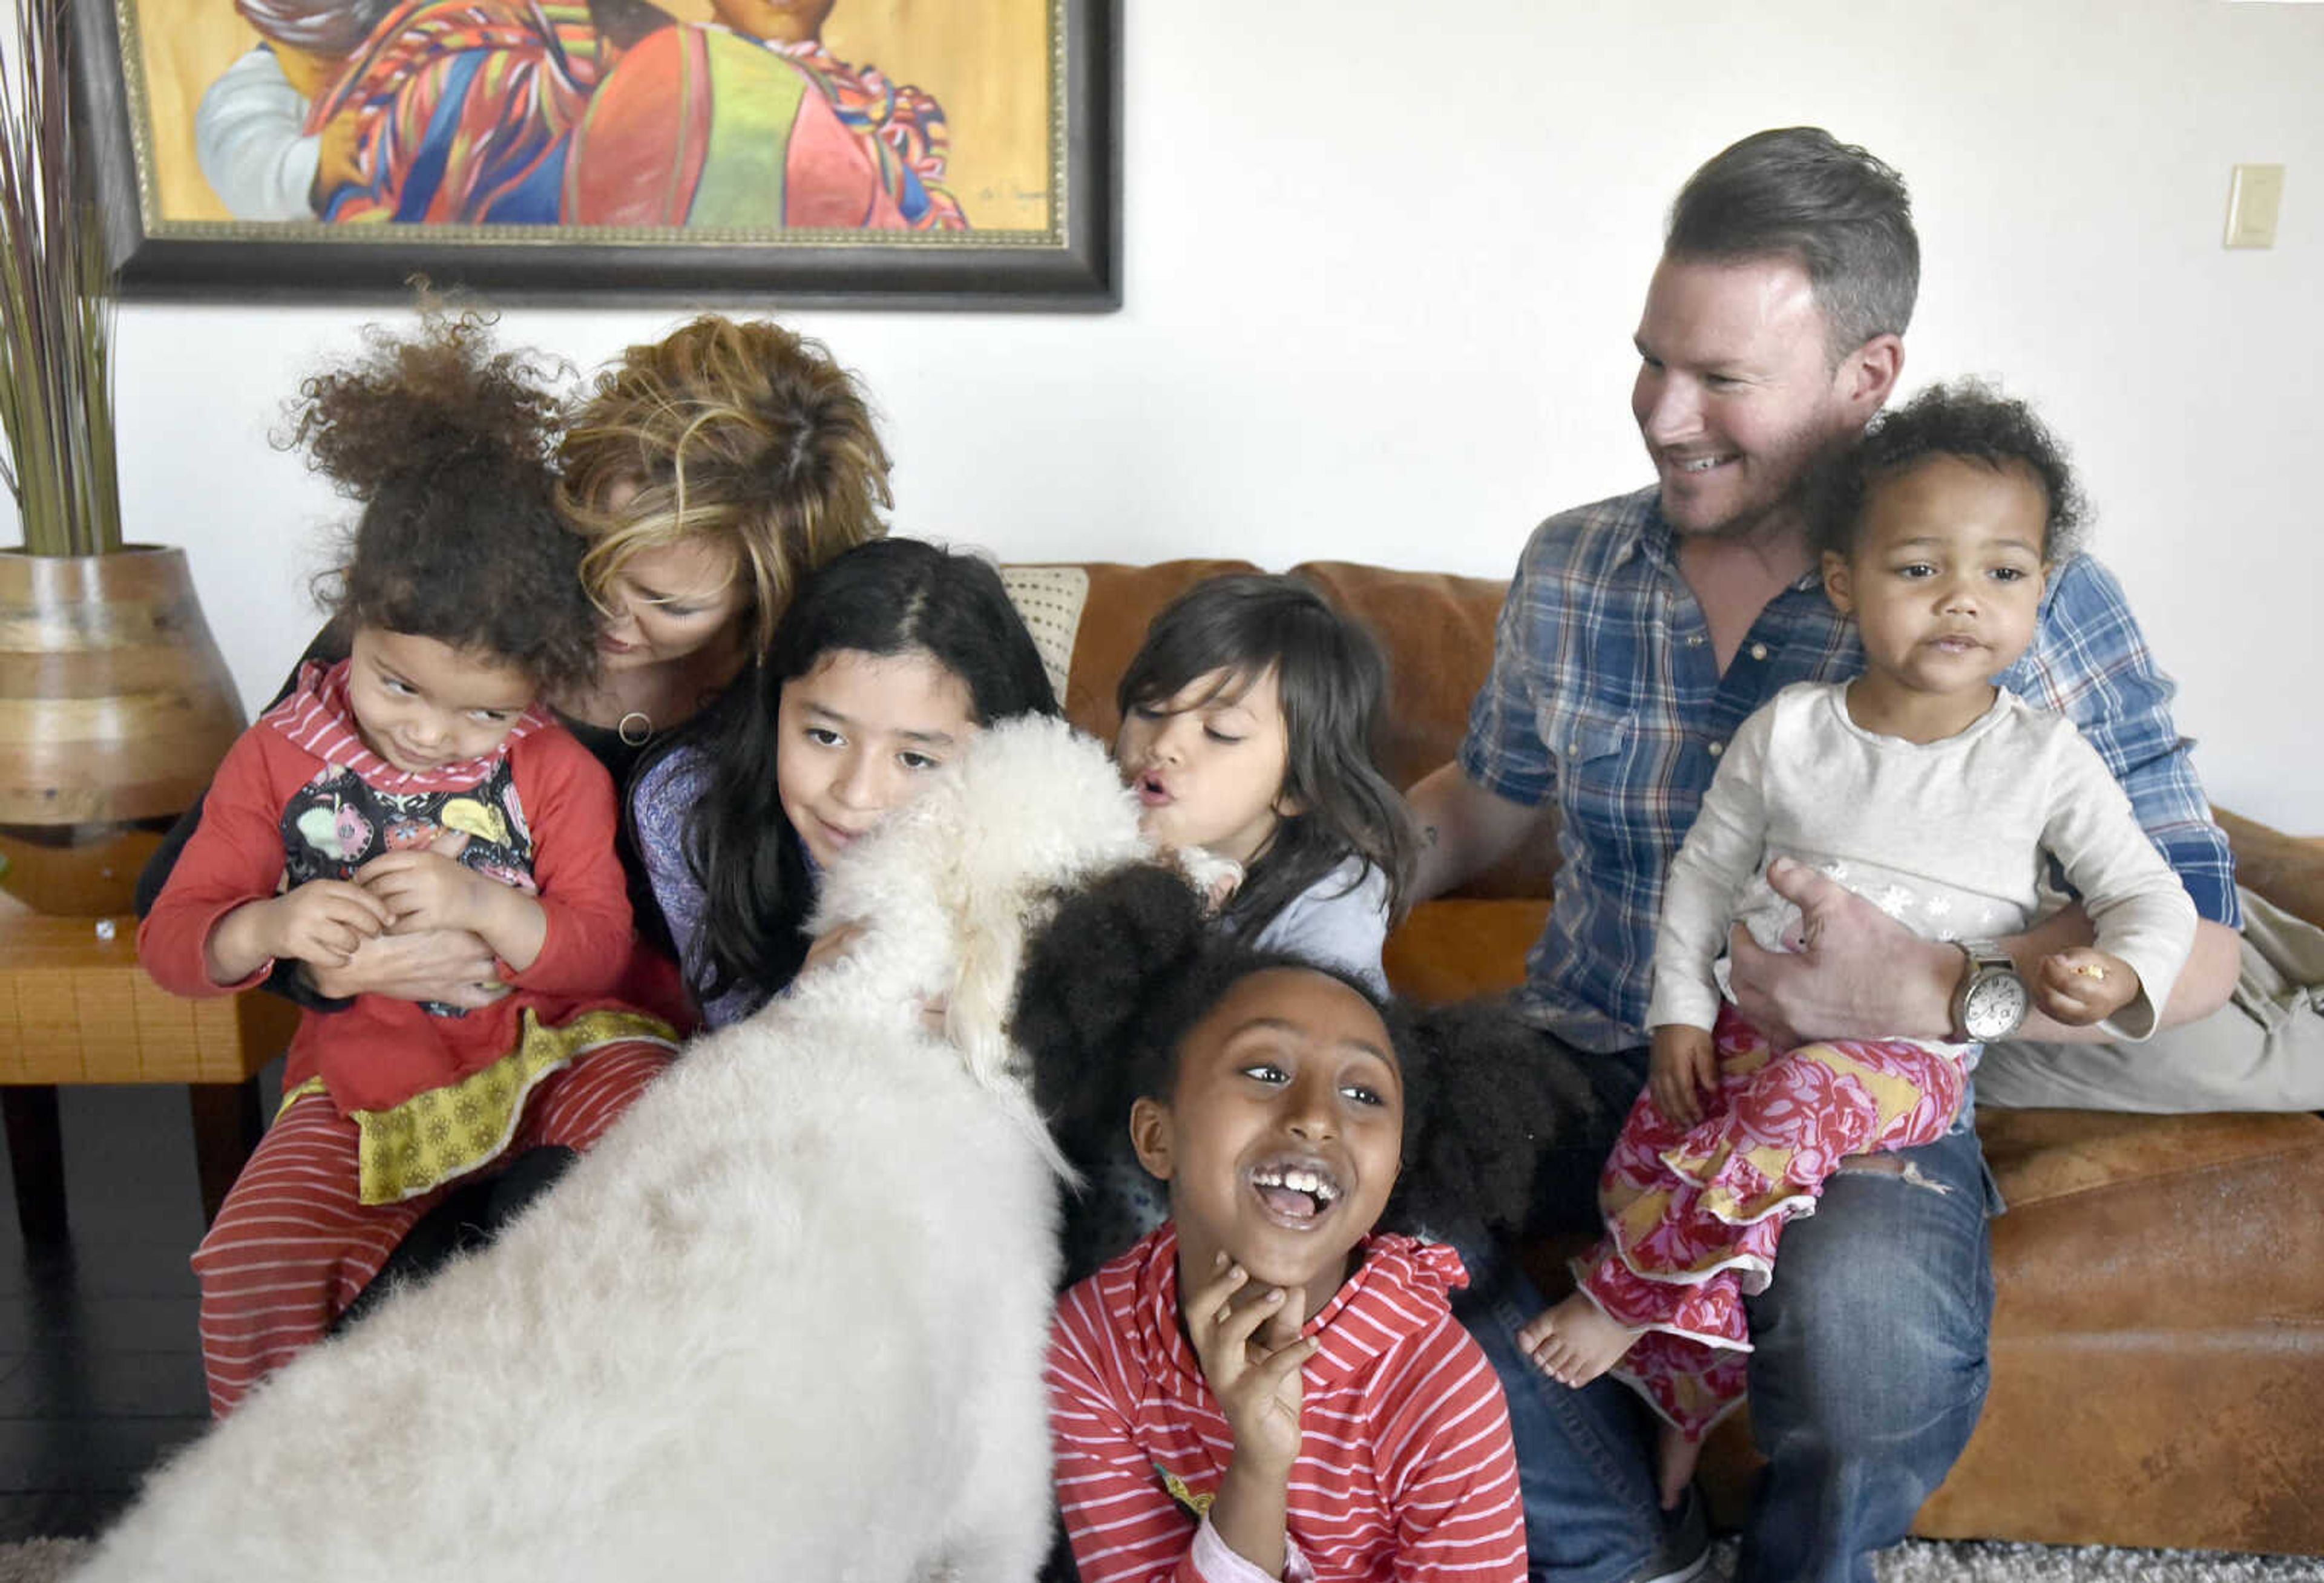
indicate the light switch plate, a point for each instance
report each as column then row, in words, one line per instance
column 2254, row 193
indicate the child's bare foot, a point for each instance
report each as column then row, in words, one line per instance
column 1675, row 1459
column 1574, row 1342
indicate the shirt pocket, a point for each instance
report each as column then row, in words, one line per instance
column 1594, row 751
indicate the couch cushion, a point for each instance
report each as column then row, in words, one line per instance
column 1122, row 601
column 1454, row 949
column 2160, row 1321
column 1438, row 631
column 2287, row 870
column 1050, row 600
column 2157, row 1223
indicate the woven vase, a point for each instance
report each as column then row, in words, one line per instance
column 116, row 707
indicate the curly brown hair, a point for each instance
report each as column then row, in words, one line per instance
column 736, row 431
column 1967, row 418
column 448, row 444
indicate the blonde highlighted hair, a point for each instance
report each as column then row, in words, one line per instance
column 736, row 431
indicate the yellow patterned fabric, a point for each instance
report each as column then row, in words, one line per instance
column 313, row 1085
column 448, row 1132
column 1893, row 1096
column 1197, row 1503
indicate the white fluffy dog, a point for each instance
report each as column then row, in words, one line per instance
column 786, row 1322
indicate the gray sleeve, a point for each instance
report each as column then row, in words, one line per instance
column 1339, row 921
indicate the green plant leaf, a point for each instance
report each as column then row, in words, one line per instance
column 57, row 304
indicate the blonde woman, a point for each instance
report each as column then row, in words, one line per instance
column 711, row 471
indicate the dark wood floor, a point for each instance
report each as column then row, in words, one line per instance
column 100, row 1370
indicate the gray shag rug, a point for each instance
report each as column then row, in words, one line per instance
column 37, row 1560
column 43, row 1560
column 1929, row 1560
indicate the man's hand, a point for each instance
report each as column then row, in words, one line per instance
column 1252, row 1357
column 2083, row 986
column 1859, row 973
column 452, row 966
column 1682, row 1070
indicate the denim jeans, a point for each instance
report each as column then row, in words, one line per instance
column 1868, row 1373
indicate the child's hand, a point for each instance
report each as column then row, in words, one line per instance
column 1682, row 1069
column 2083, row 986
column 828, row 947
column 1256, row 1379
column 321, row 921
column 427, row 890
column 834, row 943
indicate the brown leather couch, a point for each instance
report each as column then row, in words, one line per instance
column 2158, row 1335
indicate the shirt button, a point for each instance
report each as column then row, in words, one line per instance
column 1716, row 749
column 1758, row 651
column 1694, row 640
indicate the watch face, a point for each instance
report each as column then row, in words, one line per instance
column 1994, row 1005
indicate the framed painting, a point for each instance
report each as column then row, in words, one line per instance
column 818, row 152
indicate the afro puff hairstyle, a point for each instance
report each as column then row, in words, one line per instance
column 1112, row 984
column 448, row 445
column 1967, row 420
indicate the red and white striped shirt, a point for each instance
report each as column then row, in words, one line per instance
column 1404, row 1466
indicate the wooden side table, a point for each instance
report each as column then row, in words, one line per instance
column 75, row 1008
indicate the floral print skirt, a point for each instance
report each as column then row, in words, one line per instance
column 1694, row 1214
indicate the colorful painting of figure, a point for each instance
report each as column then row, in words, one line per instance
column 738, row 117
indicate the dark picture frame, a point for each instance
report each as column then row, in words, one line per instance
column 1071, row 264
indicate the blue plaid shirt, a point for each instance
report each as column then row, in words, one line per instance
column 1605, row 694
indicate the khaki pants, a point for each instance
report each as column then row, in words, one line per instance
column 2263, row 1050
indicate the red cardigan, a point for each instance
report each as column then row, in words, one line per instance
column 380, row 1050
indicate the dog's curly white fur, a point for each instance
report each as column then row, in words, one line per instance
column 785, row 1321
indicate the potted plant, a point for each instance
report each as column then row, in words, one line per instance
column 115, row 703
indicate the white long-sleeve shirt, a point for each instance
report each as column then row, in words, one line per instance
column 1951, row 838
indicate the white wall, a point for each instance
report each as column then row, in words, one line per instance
column 1383, row 266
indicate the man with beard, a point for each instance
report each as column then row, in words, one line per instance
column 1638, row 634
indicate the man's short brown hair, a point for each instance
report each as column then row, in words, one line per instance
column 1799, row 193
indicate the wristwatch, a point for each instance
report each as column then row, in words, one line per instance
column 1990, row 1001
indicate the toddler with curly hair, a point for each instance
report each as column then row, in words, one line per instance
column 419, row 784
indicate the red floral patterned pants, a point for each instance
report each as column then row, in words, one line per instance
column 1694, row 1214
